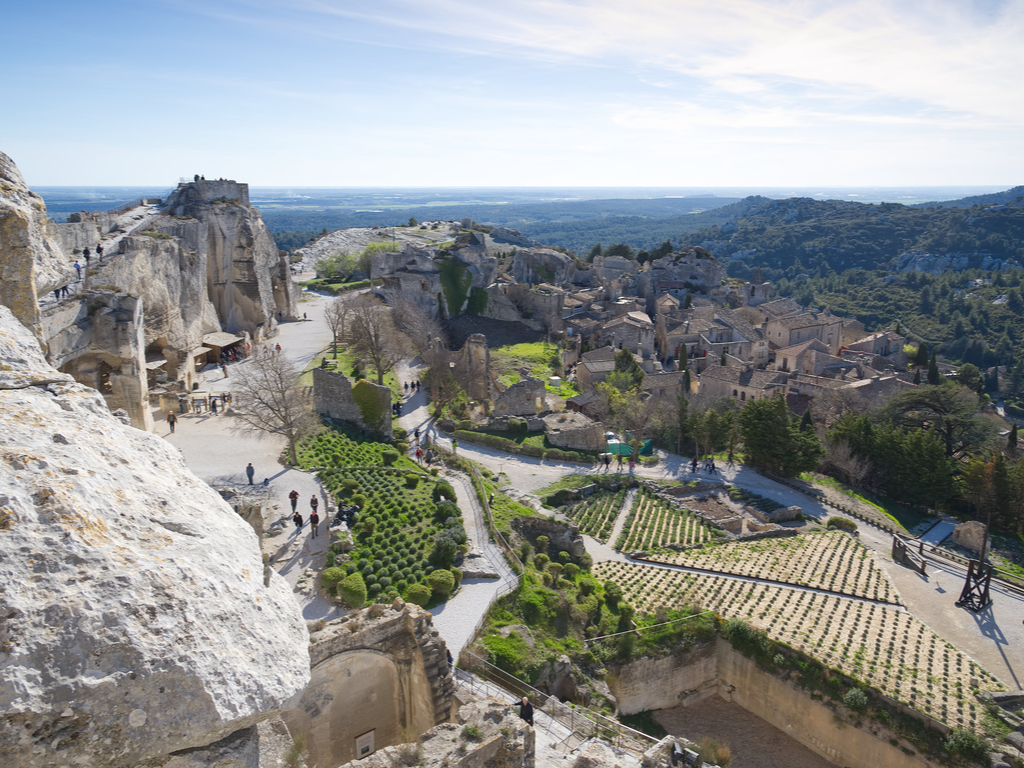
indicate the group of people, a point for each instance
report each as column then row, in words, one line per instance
column 410, row 387
column 709, row 465
column 314, row 513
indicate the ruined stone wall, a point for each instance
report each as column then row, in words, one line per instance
column 381, row 669
column 679, row 679
column 332, row 395
column 586, row 438
column 84, row 230
column 539, row 309
column 524, row 398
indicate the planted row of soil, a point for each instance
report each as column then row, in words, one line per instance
column 653, row 522
column 884, row 647
column 596, row 514
column 829, row 560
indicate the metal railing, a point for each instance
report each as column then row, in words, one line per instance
column 580, row 720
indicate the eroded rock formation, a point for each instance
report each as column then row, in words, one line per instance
column 31, row 260
column 136, row 616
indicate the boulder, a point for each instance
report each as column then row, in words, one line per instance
column 138, row 618
column 970, row 535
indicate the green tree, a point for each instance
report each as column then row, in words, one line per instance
column 934, row 378
column 594, row 252
column 921, row 356
column 969, row 376
column 947, row 409
column 772, row 438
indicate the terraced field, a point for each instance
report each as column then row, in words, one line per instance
column 596, row 515
column 883, row 646
column 831, row 560
column 653, row 522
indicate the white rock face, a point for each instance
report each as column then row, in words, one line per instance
column 136, row 617
column 31, row 261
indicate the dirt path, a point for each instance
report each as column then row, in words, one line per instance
column 753, row 742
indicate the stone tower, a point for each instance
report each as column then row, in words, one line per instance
column 756, row 291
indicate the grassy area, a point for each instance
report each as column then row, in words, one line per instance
column 334, row 288
column 905, row 517
column 540, row 358
column 344, row 359
column 504, row 510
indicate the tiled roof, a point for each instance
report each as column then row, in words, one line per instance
column 745, row 377
column 780, row 307
column 745, row 329
column 601, row 353
column 796, row 349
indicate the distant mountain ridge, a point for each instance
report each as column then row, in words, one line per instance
column 994, row 198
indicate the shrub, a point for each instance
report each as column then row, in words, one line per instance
column 841, row 523
column 359, row 500
column 331, row 576
column 533, row 451
column 570, row 571
column 540, row 561
column 446, row 509
column 968, row 744
column 587, row 585
column 443, row 490
column 441, row 582
column 389, row 457
column 542, row 544
column 368, row 525
column 855, row 699
column 470, row 733
column 457, row 573
column 612, row 593
column 349, row 485
column 444, row 551
column 352, row 591
column 419, row 594
column 412, row 480
column 507, row 653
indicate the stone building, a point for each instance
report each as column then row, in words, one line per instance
column 741, row 383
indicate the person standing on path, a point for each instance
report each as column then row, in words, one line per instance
column 455, row 446
column 213, row 405
column 250, row 472
column 85, row 255
column 294, row 498
column 314, row 503
column 314, row 523
column 171, row 420
column 99, row 252
column 78, row 269
column 297, row 519
column 526, row 710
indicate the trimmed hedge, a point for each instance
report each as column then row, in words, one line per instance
column 841, row 523
column 352, row 590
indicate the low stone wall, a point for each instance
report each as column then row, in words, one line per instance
column 524, row 398
column 332, row 395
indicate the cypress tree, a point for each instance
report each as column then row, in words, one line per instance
column 1011, row 439
column 917, row 376
column 806, row 422
column 933, row 371
column 921, row 358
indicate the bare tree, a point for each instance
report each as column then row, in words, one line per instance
column 336, row 315
column 375, row 337
column 268, row 400
column 634, row 413
column 429, row 338
column 842, row 459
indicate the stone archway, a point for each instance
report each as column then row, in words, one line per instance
column 382, row 670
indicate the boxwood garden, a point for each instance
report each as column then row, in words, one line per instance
column 408, row 533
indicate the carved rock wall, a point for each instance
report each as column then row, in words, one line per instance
column 332, row 395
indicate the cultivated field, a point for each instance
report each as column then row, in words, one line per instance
column 831, row 560
column 596, row 515
column 883, row 646
column 653, row 522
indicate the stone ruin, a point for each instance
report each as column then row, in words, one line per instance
column 332, row 396
column 524, row 398
column 377, row 674
column 970, row 536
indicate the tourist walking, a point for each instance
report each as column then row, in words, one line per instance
column 85, row 255
column 213, row 405
column 314, row 503
column 314, row 523
column 171, row 420
column 99, row 252
column 78, row 269
column 294, row 498
column 297, row 519
column 250, row 472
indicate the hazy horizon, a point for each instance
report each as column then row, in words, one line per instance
column 570, row 93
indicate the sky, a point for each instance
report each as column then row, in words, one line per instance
column 515, row 92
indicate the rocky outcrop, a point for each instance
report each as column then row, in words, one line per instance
column 496, row 737
column 970, row 535
column 543, row 265
column 937, row 263
column 138, row 618
column 31, row 260
column 247, row 280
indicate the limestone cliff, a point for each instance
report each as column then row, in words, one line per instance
column 136, row 615
column 247, row 280
column 31, row 260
